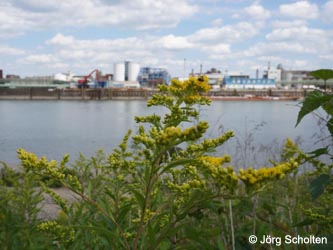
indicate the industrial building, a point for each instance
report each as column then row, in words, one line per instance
column 275, row 74
column 231, row 82
column 293, row 78
column 15, row 81
column 151, row 77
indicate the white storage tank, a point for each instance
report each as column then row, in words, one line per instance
column 133, row 71
column 119, row 72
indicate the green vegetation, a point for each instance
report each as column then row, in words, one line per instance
column 323, row 74
column 163, row 188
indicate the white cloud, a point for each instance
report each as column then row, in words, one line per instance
column 217, row 50
column 9, row 51
column 12, row 21
column 279, row 24
column 24, row 15
column 172, row 42
column 326, row 57
column 92, row 34
column 39, row 59
column 87, row 54
column 37, row 5
column 118, row 44
column 278, row 48
column 327, row 12
column 312, row 40
column 300, row 9
column 257, row 12
column 302, row 33
column 217, row 22
column 60, row 39
column 229, row 33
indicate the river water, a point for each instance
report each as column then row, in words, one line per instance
column 54, row 128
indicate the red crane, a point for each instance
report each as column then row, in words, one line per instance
column 83, row 83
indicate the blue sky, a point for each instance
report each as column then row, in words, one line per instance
column 39, row 37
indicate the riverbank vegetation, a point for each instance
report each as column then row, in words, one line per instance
column 165, row 187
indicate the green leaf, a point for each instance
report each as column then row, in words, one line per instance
column 305, row 222
column 328, row 106
column 111, row 236
column 269, row 208
column 139, row 197
column 318, row 185
column 323, row 74
column 123, row 211
column 177, row 163
column 193, row 234
column 313, row 101
column 107, row 209
column 151, row 234
column 329, row 125
column 324, row 246
column 110, row 194
column 318, row 152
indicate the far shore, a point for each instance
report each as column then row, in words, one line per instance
column 144, row 94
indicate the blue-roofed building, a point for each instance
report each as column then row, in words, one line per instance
column 248, row 83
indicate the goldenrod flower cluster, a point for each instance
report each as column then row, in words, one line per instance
column 208, row 144
column 193, row 85
column 222, row 176
column 44, row 167
column 191, row 171
column 160, row 99
column 63, row 233
column 148, row 214
column 253, row 177
column 153, row 119
column 195, row 132
column 164, row 220
column 31, row 162
column 56, row 198
column 145, row 139
column 185, row 188
column 290, row 149
column 129, row 235
column 315, row 216
column 168, row 135
column 187, row 92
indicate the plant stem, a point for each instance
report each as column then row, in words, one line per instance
column 232, row 225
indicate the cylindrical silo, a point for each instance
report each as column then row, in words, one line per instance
column 119, row 72
column 133, row 71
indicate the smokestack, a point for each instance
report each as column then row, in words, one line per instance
column 1, row 74
column 257, row 73
column 200, row 69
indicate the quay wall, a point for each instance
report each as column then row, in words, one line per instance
column 127, row 94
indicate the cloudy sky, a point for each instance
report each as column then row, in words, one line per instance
column 43, row 37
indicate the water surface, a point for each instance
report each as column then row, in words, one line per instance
column 54, row 128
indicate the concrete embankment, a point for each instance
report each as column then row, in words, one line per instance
column 141, row 94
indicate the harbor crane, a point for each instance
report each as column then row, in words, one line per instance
column 83, row 83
